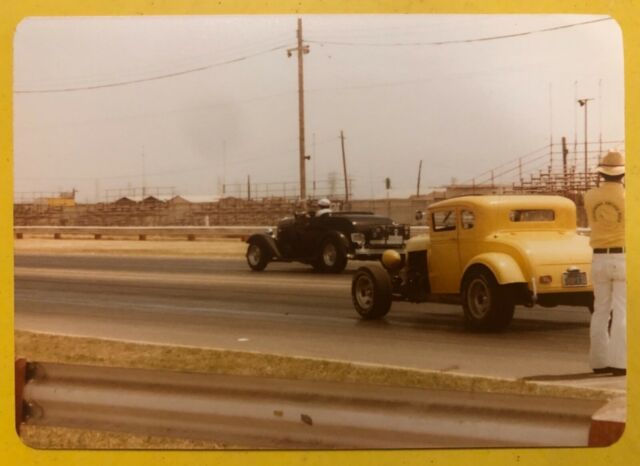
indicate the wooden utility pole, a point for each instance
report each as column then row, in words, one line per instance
column 301, row 49
column 520, row 170
column 144, row 175
column 419, row 175
column 314, row 166
column 344, row 169
column 248, row 187
column 565, row 152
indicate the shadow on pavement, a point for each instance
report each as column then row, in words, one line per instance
column 559, row 377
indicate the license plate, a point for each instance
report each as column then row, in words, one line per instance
column 574, row 279
column 395, row 239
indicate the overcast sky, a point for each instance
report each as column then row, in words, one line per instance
column 192, row 102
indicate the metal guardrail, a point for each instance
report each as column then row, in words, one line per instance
column 187, row 232
column 142, row 233
column 256, row 412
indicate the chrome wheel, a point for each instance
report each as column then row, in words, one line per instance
column 254, row 255
column 363, row 291
column 329, row 254
column 371, row 292
column 479, row 298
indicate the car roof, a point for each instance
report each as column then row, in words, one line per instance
column 508, row 201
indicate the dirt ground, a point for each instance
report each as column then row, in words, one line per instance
column 220, row 247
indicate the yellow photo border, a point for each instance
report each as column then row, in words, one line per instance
column 12, row 12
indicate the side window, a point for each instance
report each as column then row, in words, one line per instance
column 468, row 219
column 532, row 215
column 444, row 220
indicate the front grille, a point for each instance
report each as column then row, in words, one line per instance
column 386, row 236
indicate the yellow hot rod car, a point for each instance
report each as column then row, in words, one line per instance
column 489, row 253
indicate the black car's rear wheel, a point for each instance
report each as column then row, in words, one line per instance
column 487, row 305
column 371, row 292
column 257, row 256
column 333, row 256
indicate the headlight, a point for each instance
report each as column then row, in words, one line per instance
column 358, row 239
column 391, row 260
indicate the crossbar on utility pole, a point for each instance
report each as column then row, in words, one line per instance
column 344, row 169
column 301, row 49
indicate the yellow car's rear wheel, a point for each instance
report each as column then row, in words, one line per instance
column 487, row 305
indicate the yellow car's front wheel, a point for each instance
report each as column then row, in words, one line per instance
column 371, row 292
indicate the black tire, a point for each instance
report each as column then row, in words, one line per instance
column 487, row 305
column 371, row 292
column 333, row 256
column 257, row 256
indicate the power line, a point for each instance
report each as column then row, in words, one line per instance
column 461, row 41
column 184, row 61
column 152, row 78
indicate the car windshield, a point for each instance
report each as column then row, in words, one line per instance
column 532, row 215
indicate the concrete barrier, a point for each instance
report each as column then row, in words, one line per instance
column 20, row 380
column 608, row 423
column 101, row 356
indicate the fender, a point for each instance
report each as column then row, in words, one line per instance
column 418, row 243
column 267, row 241
column 342, row 239
column 503, row 266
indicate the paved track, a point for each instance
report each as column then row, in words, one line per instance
column 286, row 309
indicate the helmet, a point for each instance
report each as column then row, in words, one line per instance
column 324, row 202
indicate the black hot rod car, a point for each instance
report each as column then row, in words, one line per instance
column 326, row 242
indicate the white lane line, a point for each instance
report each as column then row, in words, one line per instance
column 169, row 278
column 205, row 311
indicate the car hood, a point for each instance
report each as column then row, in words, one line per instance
column 367, row 220
column 550, row 248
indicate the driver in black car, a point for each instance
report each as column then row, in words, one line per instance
column 325, row 207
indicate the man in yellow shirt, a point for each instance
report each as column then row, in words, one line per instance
column 605, row 211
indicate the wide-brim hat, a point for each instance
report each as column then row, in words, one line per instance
column 612, row 164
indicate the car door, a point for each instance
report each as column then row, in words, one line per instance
column 297, row 235
column 443, row 258
column 314, row 234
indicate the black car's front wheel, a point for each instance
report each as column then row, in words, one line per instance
column 333, row 256
column 257, row 256
column 371, row 292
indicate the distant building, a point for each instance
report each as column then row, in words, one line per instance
column 152, row 201
column 126, row 201
column 63, row 199
column 469, row 189
column 187, row 199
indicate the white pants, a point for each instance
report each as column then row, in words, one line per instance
column 609, row 346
